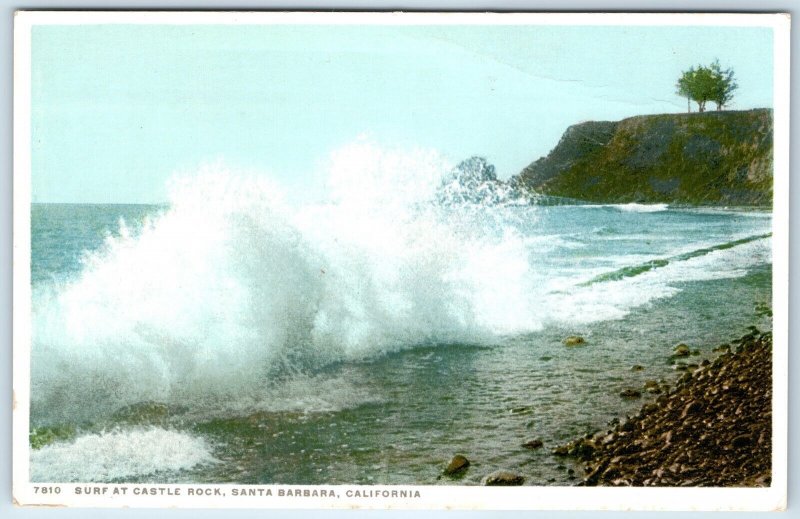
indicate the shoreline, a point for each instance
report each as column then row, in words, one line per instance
column 713, row 428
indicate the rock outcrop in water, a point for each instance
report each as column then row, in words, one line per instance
column 457, row 466
column 713, row 429
column 710, row 158
column 574, row 340
column 536, row 443
column 474, row 181
column 503, row 478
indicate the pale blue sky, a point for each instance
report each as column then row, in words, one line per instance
column 118, row 109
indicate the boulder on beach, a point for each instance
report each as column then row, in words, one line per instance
column 503, row 478
column 457, row 465
column 652, row 386
column 561, row 450
column 741, row 441
column 582, row 448
column 648, row 408
column 692, row 407
column 574, row 340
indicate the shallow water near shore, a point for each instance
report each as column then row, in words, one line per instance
column 263, row 346
column 484, row 402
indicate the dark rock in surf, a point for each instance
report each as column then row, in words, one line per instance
column 503, row 478
column 458, row 465
column 533, row 444
column 574, row 340
column 681, row 350
column 630, row 393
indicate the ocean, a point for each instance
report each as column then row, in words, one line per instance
column 231, row 336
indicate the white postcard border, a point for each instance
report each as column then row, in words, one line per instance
column 373, row 497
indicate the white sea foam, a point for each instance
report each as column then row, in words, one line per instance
column 117, row 455
column 230, row 289
column 572, row 302
column 720, row 264
column 631, row 207
column 640, row 208
column 740, row 212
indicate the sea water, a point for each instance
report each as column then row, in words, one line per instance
column 229, row 335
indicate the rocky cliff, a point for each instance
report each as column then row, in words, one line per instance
column 711, row 158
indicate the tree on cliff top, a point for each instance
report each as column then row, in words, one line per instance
column 703, row 84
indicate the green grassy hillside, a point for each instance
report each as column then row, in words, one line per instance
column 711, row 158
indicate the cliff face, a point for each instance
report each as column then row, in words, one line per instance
column 711, row 158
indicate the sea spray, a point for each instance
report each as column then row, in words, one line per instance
column 229, row 290
column 228, row 293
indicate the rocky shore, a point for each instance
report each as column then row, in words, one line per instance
column 714, row 428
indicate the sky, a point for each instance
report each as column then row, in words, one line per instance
column 119, row 109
